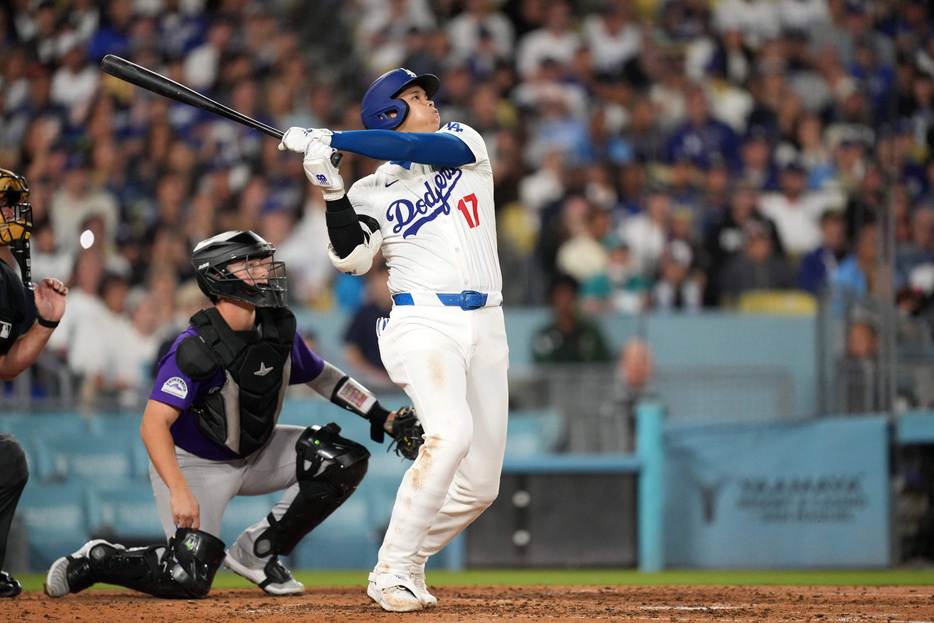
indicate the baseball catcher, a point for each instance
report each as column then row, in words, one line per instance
column 211, row 431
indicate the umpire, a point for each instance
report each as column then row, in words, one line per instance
column 18, row 352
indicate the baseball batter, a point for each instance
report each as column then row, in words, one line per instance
column 211, row 432
column 429, row 209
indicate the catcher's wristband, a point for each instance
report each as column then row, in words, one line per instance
column 355, row 397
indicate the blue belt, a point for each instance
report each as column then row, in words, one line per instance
column 466, row 300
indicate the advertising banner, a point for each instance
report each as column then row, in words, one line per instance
column 778, row 495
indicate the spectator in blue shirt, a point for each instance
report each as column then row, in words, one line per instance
column 818, row 266
column 855, row 275
column 702, row 138
column 875, row 78
column 113, row 37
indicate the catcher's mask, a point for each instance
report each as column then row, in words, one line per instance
column 239, row 265
column 17, row 213
column 16, row 226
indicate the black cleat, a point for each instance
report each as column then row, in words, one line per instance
column 9, row 587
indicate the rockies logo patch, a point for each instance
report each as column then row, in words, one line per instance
column 176, row 387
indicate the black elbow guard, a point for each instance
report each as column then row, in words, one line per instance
column 343, row 227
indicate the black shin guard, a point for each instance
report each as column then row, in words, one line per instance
column 185, row 569
column 329, row 468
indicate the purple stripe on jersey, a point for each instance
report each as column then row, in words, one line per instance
column 176, row 389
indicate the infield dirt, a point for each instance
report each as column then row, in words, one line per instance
column 777, row 604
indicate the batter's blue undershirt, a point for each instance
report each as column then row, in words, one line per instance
column 432, row 148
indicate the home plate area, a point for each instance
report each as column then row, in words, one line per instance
column 775, row 604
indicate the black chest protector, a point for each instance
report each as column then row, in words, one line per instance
column 242, row 413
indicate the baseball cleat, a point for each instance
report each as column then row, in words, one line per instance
column 9, row 587
column 69, row 574
column 421, row 590
column 267, row 573
column 395, row 592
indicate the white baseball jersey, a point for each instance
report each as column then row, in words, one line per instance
column 443, row 217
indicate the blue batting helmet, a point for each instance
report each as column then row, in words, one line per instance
column 380, row 101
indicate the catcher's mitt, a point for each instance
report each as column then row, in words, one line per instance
column 406, row 433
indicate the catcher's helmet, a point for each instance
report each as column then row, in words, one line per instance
column 17, row 213
column 380, row 99
column 212, row 256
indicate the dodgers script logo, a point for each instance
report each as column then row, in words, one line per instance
column 436, row 201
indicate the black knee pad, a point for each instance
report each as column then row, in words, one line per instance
column 329, row 468
column 318, row 445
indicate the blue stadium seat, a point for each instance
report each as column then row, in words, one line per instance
column 139, row 462
column 243, row 512
column 31, row 428
column 308, row 411
column 532, row 432
column 125, row 514
column 100, row 462
column 348, row 539
column 28, row 427
column 379, row 486
column 123, row 430
column 56, row 521
column 122, row 426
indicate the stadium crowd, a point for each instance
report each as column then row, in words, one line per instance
column 668, row 155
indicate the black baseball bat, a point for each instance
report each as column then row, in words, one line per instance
column 159, row 84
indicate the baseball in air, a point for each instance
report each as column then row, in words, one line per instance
column 86, row 239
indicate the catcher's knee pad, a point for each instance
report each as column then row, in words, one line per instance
column 184, row 569
column 329, row 468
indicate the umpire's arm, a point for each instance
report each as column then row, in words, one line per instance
column 50, row 305
column 24, row 352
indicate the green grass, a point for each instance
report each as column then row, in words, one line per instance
column 597, row 577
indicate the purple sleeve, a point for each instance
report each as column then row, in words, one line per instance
column 306, row 364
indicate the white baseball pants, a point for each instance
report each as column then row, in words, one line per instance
column 453, row 365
